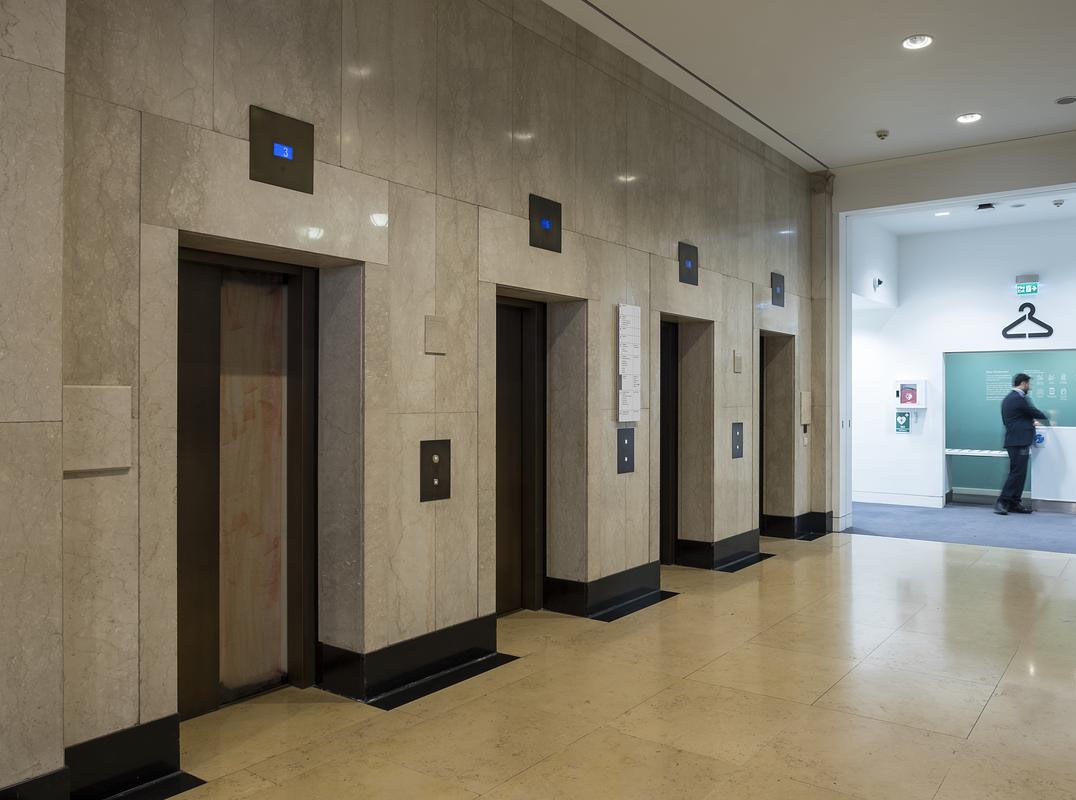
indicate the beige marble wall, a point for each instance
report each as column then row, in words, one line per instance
column 31, row 738
column 97, row 428
column 696, row 445
column 158, row 290
column 31, row 448
column 430, row 111
column 340, row 466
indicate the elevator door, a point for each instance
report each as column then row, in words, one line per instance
column 669, row 466
column 520, row 455
column 244, row 480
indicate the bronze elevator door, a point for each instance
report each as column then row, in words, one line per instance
column 243, row 497
column 520, row 455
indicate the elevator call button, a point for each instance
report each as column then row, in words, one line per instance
column 435, row 470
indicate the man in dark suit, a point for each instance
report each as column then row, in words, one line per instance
column 1019, row 416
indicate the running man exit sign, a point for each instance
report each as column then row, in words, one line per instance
column 1027, row 285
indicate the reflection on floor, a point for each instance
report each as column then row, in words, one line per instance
column 851, row 666
column 968, row 524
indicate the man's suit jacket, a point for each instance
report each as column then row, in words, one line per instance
column 1019, row 417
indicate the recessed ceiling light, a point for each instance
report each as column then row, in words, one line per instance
column 917, row 41
column 627, row 178
column 941, row 213
column 1066, row 101
column 985, row 207
column 1018, row 205
column 381, row 220
column 967, row 119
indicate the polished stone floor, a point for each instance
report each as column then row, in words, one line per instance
column 852, row 666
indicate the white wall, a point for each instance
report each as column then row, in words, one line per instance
column 956, row 294
column 872, row 254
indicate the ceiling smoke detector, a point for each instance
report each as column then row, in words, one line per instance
column 985, row 207
column 1058, row 203
column 882, row 134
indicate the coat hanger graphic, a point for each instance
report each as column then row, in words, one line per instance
column 1029, row 316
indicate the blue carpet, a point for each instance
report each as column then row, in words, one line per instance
column 968, row 524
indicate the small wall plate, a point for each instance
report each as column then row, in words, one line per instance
column 689, row 263
column 777, row 289
column 737, row 440
column 281, row 150
column 545, row 223
column 435, row 470
column 625, row 450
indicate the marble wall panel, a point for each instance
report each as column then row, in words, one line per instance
column 456, row 525
column 543, row 124
column 152, row 56
column 33, row 31
column 101, row 229
column 777, row 231
column 196, row 180
column 650, row 162
column 31, row 705
column 721, row 250
column 487, row 448
column 601, row 142
column 31, row 240
column 340, row 466
column 696, row 416
column 688, row 219
column 751, row 223
column 506, row 258
column 547, row 22
column 735, row 501
column 97, row 428
column 412, row 278
column 389, row 95
column 567, row 550
column 776, row 319
column 670, row 296
column 252, row 39
column 399, row 539
column 606, row 274
column 100, row 603
column 606, row 498
column 456, row 291
column 157, row 447
column 736, row 333
column 474, row 108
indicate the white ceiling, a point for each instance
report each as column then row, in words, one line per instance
column 964, row 213
column 826, row 74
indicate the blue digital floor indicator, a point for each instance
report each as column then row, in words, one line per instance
column 283, row 151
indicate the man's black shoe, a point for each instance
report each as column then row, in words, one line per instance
column 1020, row 508
column 999, row 507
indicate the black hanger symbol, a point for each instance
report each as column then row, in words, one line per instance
column 1029, row 316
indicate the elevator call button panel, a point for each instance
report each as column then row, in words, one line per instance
column 737, row 440
column 689, row 263
column 435, row 470
column 281, row 150
column 545, row 223
column 625, row 450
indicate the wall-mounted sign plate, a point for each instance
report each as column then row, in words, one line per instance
column 689, row 263
column 777, row 289
column 737, row 440
column 545, row 223
column 435, row 470
column 625, row 450
column 281, row 150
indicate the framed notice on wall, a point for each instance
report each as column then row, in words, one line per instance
column 629, row 363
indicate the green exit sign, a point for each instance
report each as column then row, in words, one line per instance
column 1030, row 287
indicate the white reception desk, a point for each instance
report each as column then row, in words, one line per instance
column 1053, row 466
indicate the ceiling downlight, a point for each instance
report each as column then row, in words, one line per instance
column 917, row 41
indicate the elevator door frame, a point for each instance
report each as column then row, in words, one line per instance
column 534, row 450
column 198, row 576
column 669, row 442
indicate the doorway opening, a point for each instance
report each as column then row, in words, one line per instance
column 246, row 478
column 669, row 459
column 777, row 434
column 521, row 454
